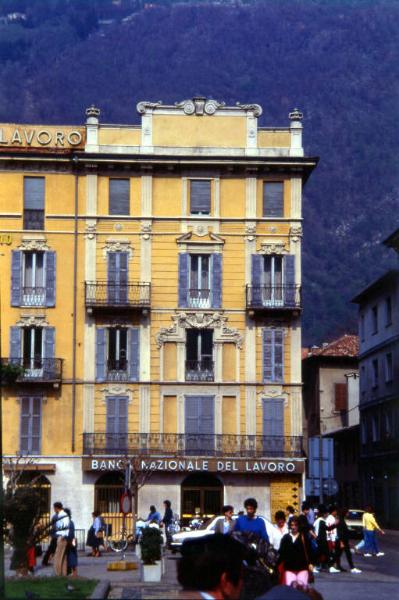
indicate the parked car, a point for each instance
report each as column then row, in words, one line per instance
column 354, row 522
column 207, row 528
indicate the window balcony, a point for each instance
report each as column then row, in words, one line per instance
column 275, row 298
column 101, row 295
column 200, row 370
column 184, row 444
column 199, row 298
column 35, row 370
column 33, row 296
column 117, row 370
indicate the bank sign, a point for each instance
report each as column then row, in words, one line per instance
column 197, row 465
column 29, row 136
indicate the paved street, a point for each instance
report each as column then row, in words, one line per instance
column 379, row 579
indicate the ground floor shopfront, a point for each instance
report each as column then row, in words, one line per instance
column 192, row 484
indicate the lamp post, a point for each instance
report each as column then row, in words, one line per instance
column 2, row 579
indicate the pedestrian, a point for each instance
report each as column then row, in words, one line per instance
column 294, row 555
column 332, row 537
column 154, row 516
column 211, row 567
column 343, row 542
column 72, row 551
column 290, row 511
column 31, row 556
column 320, row 529
column 95, row 535
column 167, row 521
column 279, row 529
column 370, row 527
column 251, row 523
column 61, row 531
column 53, row 542
column 304, row 519
column 225, row 525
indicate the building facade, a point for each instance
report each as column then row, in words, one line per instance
column 331, row 409
column 151, row 295
column 379, row 392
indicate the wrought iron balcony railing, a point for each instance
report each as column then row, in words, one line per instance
column 35, row 370
column 101, row 294
column 117, row 370
column 33, row 296
column 199, row 298
column 185, row 444
column 200, row 370
column 273, row 297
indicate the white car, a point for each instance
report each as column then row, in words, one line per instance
column 207, row 528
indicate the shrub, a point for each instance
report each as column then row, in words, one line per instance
column 151, row 543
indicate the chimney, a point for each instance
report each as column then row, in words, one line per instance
column 296, row 132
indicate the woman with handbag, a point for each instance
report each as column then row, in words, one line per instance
column 294, row 556
column 95, row 536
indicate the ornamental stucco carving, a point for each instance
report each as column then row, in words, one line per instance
column 146, row 230
column 256, row 109
column 250, row 231
column 145, row 106
column 199, row 320
column 272, row 391
column 91, row 230
column 28, row 320
column 296, row 233
column 112, row 245
column 34, row 243
column 277, row 247
column 199, row 106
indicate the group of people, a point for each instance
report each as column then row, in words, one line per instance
column 63, row 544
column 306, row 543
column 154, row 519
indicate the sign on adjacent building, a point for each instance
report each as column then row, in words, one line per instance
column 30, row 136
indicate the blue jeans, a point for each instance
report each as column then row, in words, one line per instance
column 370, row 542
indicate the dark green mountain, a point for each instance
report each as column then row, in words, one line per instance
column 336, row 60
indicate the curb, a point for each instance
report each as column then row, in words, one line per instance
column 101, row 590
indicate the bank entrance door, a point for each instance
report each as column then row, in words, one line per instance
column 201, row 493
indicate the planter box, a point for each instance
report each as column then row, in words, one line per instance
column 152, row 573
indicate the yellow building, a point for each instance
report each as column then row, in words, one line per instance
column 151, row 293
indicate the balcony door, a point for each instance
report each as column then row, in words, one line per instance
column 117, row 354
column 33, row 351
column 117, row 424
column 33, row 285
column 117, row 277
column 199, row 425
column 200, row 281
column 273, row 426
column 199, row 355
column 272, row 281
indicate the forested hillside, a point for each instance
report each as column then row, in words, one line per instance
column 336, row 60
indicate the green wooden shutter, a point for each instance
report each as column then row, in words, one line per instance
column 16, row 277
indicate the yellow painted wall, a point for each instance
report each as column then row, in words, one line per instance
column 170, row 361
column 170, row 414
column 229, row 415
column 166, row 196
column 119, row 136
column 232, row 197
column 191, row 130
column 278, row 138
column 229, row 362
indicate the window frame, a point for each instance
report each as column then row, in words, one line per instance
column 265, row 183
column 27, row 212
column 190, row 182
column 388, row 311
column 110, row 212
column 388, row 367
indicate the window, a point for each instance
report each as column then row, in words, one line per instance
column 119, row 197
column 199, row 412
column 33, row 278
column 388, row 367
column 33, row 202
column 199, row 355
column 388, row 311
column 117, row 353
column 374, row 366
column 272, row 281
column 341, row 396
column 363, row 382
column 273, row 199
column 273, row 426
column 374, row 319
column 200, row 197
column 34, row 348
column 117, row 423
column 117, row 285
column 30, row 429
column 273, row 355
column 200, row 281
column 33, row 293
column 375, row 434
column 362, row 328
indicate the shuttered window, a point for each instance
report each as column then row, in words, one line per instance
column 117, row 423
column 341, row 396
column 117, row 354
column 119, row 196
column 273, row 426
column 199, row 424
column 273, row 199
column 30, row 428
column 200, row 197
column 34, row 202
column 273, row 355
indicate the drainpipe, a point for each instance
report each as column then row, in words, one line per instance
column 75, row 160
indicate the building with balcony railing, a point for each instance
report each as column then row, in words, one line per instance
column 160, row 262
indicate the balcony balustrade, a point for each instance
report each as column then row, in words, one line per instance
column 127, row 296
column 185, row 444
column 33, row 296
column 199, row 298
column 263, row 298
column 35, row 370
column 200, row 370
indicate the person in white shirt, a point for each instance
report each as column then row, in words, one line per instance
column 332, row 537
column 61, row 532
column 279, row 529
